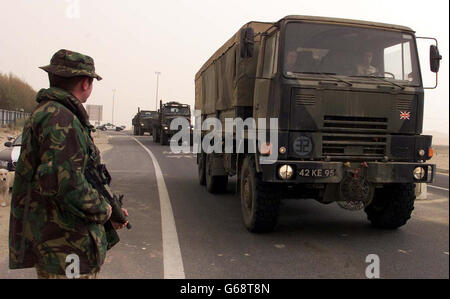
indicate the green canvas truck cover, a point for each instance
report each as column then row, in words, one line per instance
column 224, row 82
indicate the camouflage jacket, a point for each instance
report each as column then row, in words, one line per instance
column 65, row 214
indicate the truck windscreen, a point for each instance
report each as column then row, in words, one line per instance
column 351, row 51
column 177, row 111
column 149, row 114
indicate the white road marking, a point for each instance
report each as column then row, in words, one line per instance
column 173, row 261
column 432, row 201
column 180, row 157
column 119, row 136
column 439, row 188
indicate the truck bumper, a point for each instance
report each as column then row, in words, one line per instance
column 333, row 172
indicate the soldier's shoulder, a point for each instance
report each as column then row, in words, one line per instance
column 52, row 113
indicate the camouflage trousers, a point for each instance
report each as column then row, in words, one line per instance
column 42, row 274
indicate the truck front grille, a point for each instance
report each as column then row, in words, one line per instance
column 354, row 136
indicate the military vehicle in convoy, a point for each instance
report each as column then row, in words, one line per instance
column 142, row 122
column 349, row 100
column 162, row 133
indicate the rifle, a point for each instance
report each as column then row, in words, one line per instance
column 100, row 179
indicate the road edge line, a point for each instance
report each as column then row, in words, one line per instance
column 440, row 188
column 172, row 259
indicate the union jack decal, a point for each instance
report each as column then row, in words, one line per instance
column 405, row 115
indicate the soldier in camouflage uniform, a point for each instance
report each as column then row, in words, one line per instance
column 55, row 212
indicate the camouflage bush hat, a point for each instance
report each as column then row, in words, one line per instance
column 66, row 63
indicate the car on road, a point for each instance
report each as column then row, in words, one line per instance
column 10, row 155
column 108, row 127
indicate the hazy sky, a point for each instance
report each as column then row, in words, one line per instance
column 130, row 40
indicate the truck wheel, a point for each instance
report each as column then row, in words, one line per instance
column 164, row 139
column 259, row 203
column 201, row 169
column 392, row 206
column 214, row 183
column 155, row 135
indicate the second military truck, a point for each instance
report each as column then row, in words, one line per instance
column 166, row 114
column 349, row 101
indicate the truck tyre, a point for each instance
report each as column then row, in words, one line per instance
column 201, row 160
column 215, row 184
column 155, row 135
column 164, row 139
column 392, row 206
column 259, row 203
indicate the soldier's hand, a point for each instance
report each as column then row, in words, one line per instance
column 109, row 211
column 118, row 226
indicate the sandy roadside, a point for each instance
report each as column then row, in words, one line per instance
column 102, row 142
column 441, row 158
column 4, row 133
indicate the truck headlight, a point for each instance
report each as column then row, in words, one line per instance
column 421, row 152
column 165, row 127
column 142, row 125
column 286, row 172
column 419, row 173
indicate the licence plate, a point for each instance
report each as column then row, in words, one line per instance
column 317, row 173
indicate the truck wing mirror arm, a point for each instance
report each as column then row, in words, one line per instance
column 435, row 59
column 247, row 42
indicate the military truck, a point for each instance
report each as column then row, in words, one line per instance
column 142, row 122
column 349, row 101
column 166, row 113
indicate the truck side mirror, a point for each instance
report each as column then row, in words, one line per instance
column 435, row 59
column 8, row 144
column 247, row 42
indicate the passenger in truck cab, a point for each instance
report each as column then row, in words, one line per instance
column 300, row 62
column 291, row 61
column 365, row 66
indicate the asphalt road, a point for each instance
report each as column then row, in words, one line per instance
column 189, row 233
column 440, row 185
